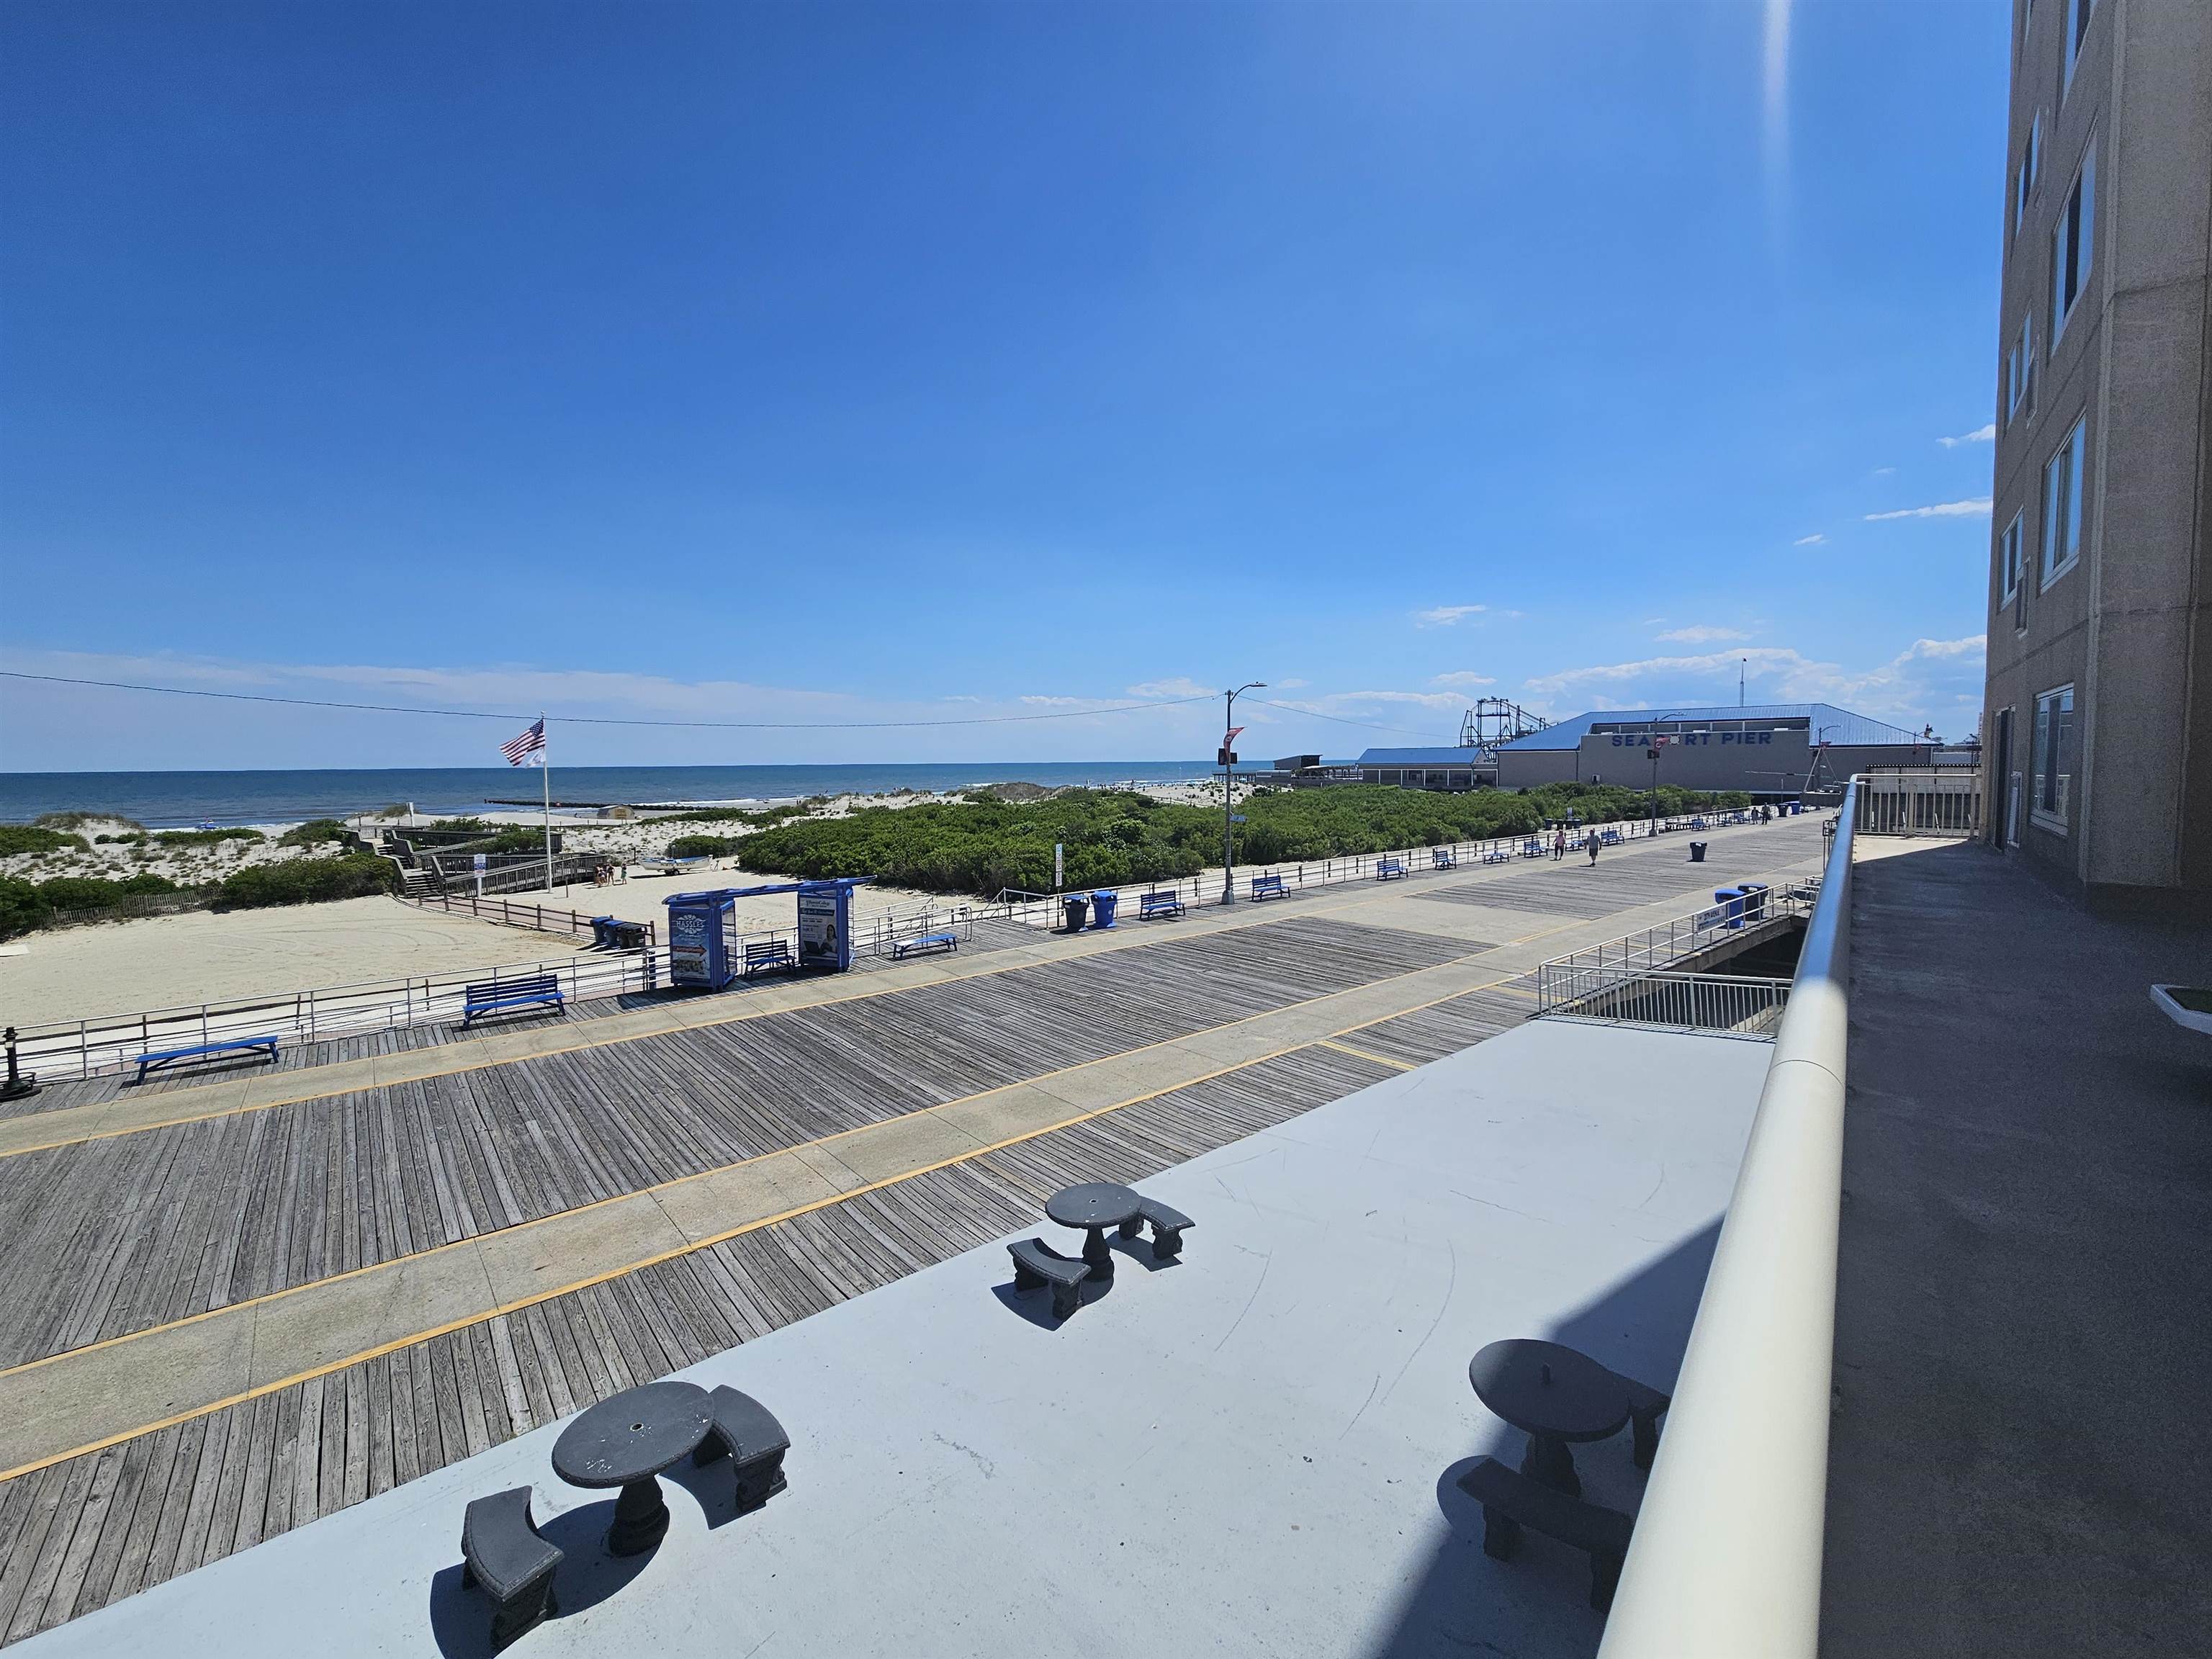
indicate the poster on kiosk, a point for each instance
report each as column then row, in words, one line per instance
column 825, row 932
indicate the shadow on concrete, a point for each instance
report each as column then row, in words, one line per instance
column 1537, row 1605
column 460, row 1619
column 1035, row 1305
column 1140, row 1251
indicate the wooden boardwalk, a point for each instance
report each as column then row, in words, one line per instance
column 127, row 1234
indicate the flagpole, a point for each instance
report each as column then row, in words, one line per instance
column 545, row 771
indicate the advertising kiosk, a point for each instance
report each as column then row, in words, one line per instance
column 706, row 949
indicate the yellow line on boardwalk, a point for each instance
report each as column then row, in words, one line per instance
column 1362, row 1054
column 690, row 1248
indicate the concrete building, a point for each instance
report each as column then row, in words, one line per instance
column 2099, row 722
column 1449, row 767
column 1775, row 750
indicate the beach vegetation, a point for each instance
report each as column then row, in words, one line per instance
column 1112, row 837
column 315, row 832
column 16, row 838
column 205, row 837
column 25, row 905
column 80, row 820
column 308, row 881
column 703, row 846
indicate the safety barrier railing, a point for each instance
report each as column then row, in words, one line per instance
column 1694, row 1002
column 1042, row 910
column 1725, row 1559
column 1665, row 943
column 1936, row 801
column 507, row 913
column 88, row 1048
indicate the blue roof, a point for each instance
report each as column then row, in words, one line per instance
column 1839, row 725
column 1454, row 755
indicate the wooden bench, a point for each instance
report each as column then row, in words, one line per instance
column 1269, row 887
column 499, row 996
column 1390, row 869
column 1511, row 1500
column 1037, row 1264
column 1159, row 904
column 768, row 954
column 926, row 944
column 1168, row 1226
column 746, row 1432
column 1443, row 858
column 167, row 1057
column 502, row 1550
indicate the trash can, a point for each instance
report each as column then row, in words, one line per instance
column 1697, row 852
column 1076, row 907
column 1101, row 908
column 1754, row 901
column 1730, row 900
column 602, row 932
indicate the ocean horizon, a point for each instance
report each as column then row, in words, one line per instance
column 167, row 799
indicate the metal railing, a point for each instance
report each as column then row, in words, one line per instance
column 1725, row 1561
column 1945, row 801
column 1663, row 945
column 1694, row 1002
column 535, row 918
column 88, row 1048
column 1042, row 910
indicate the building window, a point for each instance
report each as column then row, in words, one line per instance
column 2072, row 245
column 2023, row 179
column 2077, row 26
column 2009, row 560
column 2062, row 505
column 2053, row 758
column 2019, row 374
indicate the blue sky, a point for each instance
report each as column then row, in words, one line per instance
column 833, row 362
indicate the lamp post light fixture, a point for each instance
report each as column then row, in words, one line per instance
column 1229, row 788
column 1651, row 753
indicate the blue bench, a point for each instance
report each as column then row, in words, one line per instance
column 503, row 996
column 1390, row 869
column 1443, row 858
column 1698, row 824
column 1610, row 838
column 166, row 1057
column 1532, row 849
column 1497, row 855
column 1269, row 887
column 769, row 954
column 926, row 944
column 1159, row 904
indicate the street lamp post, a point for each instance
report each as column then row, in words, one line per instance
column 1229, row 789
column 1652, row 754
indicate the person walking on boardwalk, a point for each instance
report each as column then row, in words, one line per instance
column 1589, row 846
column 1558, row 843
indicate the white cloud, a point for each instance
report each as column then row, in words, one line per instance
column 1882, row 471
column 1815, row 540
column 1986, row 434
column 1702, row 635
column 1179, row 686
column 1927, row 675
column 1292, row 685
column 1445, row 615
column 1463, row 677
column 1977, row 508
column 1059, row 702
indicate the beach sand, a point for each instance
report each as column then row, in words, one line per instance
column 165, row 962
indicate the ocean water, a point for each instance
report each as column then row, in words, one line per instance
column 165, row 799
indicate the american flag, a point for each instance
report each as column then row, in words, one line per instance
column 518, row 750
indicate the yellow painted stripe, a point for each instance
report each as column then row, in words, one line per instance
column 1362, row 1054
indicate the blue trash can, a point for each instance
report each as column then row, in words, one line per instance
column 1730, row 899
column 1102, row 902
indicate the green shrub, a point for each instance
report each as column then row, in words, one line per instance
column 314, row 833
column 21, row 907
column 205, row 837
column 95, row 893
column 309, row 881
column 78, row 820
column 702, row 846
column 31, row 838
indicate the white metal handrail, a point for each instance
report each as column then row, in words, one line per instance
column 1696, row 1002
column 1725, row 1562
